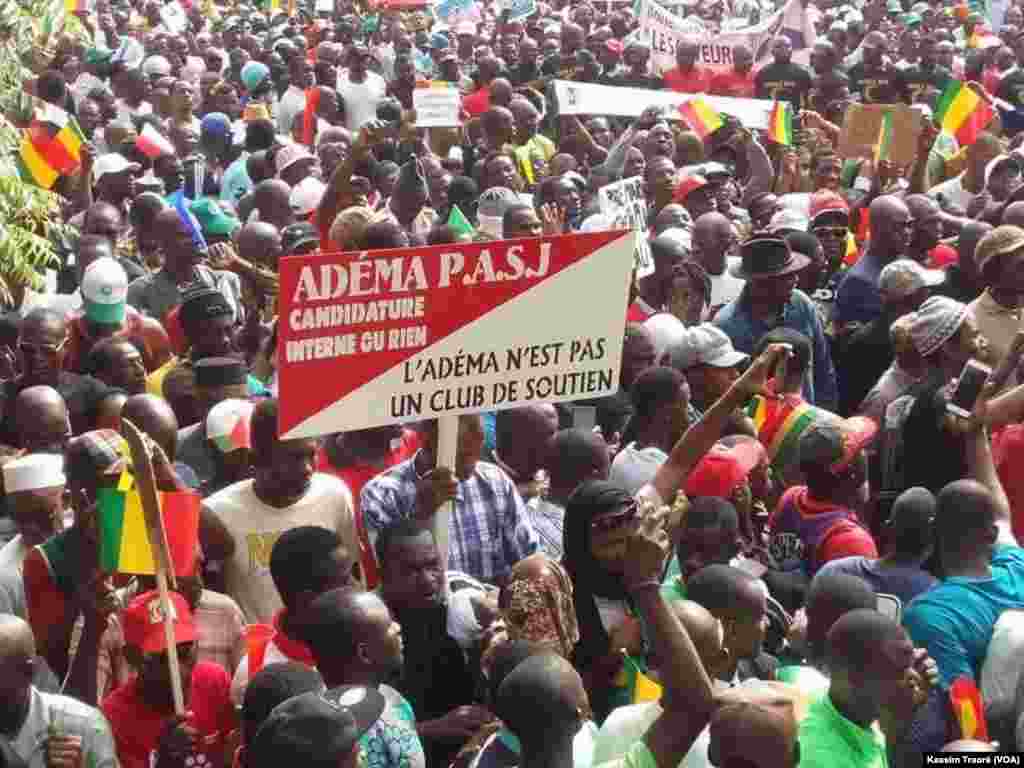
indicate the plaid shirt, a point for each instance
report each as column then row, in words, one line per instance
column 489, row 528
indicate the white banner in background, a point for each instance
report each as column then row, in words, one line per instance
column 663, row 30
column 588, row 99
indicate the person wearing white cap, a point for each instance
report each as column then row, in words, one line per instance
column 34, row 490
column 903, row 286
column 106, row 314
column 706, row 357
column 946, row 337
column 227, row 431
column 997, row 312
column 305, row 196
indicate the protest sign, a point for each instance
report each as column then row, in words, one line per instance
column 450, row 11
column 437, row 106
column 418, row 333
column 862, row 127
column 519, row 9
column 586, row 99
column 663, row 30
column 173, row 17
column 624, row 206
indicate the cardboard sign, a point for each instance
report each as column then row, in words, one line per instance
column 624, row 206
column 588, row 99
column 437, row 106
column 404, row 335
column 863, row 123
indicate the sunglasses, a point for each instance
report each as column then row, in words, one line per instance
column 42, row 349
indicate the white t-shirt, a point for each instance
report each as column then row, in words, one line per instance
column 361, row 99
column 635, row 467
column 724, row 288
column 293, row 102
column 953, row 190
column 255, row 526
column 13, row 553
column 72, row 718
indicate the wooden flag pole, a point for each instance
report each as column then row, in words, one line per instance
column 142, row 464
column 447, row 447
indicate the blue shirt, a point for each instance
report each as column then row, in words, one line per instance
column 489, row 530
column 955, row 620
column 236, row 182
column 858, row 300
column 800, row 315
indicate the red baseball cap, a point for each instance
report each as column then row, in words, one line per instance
column 143, row 622
column 723, row 468
column 825, row 201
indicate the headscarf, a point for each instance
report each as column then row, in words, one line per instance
column 537, row 605
column 589, row 578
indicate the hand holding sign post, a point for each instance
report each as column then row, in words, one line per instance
column 437, row 332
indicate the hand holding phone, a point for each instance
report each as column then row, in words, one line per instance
column 968, row 387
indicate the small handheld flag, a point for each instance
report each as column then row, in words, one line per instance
column 51, row 146
column 701, row 117
column 780, row 123
column 459, row 223
column 968, row 710
column 962, row 112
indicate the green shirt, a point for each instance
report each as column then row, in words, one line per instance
column 829, row 740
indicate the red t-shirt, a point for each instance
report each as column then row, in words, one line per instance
column 358, row 475
column 732, row 83
column 477, row 102
column 697, row 80
column 137, row 728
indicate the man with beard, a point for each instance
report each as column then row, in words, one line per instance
column 430, row 604
column 490, row 530
column 242, row 522
column 858, row 299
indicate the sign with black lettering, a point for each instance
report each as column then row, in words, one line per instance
column 411, row 334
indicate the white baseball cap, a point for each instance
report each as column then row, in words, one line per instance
column 112, row 162
column 105, row 291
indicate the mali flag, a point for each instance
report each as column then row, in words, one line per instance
column 641, row 687
column 51, row 147
column 968, row 709
column 124, row 541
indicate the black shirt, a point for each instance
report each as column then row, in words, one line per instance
column 918, row 79
column 783, row 81
column 82, row 395
column 932, row 457
column 865, row 357
column 1011, row 87
column 958, row 286
column 880, row 86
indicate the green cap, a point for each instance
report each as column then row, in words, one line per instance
column 213, row 220
column 912, row 19
column 97, row 55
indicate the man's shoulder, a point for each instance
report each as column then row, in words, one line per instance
column 218, row 602
column 391, row 479
column 69, row 707
column 235, row 495
column 493, row 475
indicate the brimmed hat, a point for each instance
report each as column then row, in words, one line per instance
column 723, row 468
column 997, row 242
column 936, row 322
column 835, row 443
column 289, row 155
column 705, row 344
column 786, row 220
column 764, row 256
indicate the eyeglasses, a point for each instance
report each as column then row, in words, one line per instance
column 831, row 231
column 42, row 349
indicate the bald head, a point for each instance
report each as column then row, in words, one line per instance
column 712, row 223
column 965, row 521
column 335, row 625
column 886, row 208
column 967, row 244
column 259, row 242
column 540, row 701
column 671, row 216
column 890, row 225
column 1014, row 214
column 154, row 416
column 16, row 639
column 762, row 732
column 523, row 436
column 576, row 455
column 858, row 640
column 921, row 206
column 42, row 421
column 270, row 198
column 704, row 630
column 832, row 595
column 501, row 92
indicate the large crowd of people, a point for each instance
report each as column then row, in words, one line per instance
column 779, row 543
